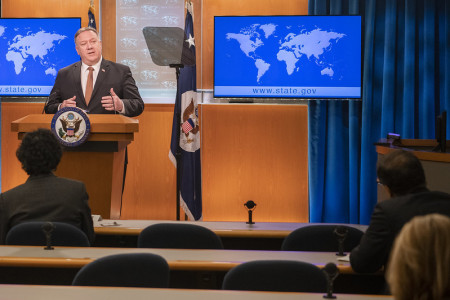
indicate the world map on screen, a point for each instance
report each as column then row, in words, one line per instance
column 292, row 46
column 31, row 46
column 32, row 51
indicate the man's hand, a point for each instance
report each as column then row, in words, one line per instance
column 69, row 102
column 107, row 102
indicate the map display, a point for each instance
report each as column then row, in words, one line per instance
column 31, row 53
column 287, row 56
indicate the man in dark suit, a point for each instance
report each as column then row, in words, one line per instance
column 44, row 196
column 94, row 84
column 401, row 173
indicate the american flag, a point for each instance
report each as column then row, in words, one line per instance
column 91, row 16
column 188, row 126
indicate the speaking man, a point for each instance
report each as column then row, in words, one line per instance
column 94, row 84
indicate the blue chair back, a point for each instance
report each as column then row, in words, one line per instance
column 32, row 234
column 276, row 275
column 178, row 236
column 321, row 238
column 125, row 270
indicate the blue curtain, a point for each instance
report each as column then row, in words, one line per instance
column 406, row 82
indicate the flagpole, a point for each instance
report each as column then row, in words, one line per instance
column 178, row 152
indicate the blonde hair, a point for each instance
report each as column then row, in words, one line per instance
column 419, row 266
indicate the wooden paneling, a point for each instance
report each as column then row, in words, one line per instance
column 259, row 153
column 12, row 173
column 213, row 8
column 48, row 9
column 150, row 186
column 109, row 29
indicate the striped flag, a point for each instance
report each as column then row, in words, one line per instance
column 188, row 130
column 91, row 15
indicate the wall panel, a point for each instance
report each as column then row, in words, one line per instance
column 255, row 152
column 48, row 9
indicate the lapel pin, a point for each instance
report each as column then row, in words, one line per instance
column 103, row 70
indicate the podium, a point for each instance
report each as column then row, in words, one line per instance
column 435, row 164
column 99, row 162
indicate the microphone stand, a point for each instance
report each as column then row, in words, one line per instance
column 48, row 227
column 331, row 272
column 47, row 100
column 114, row 105
column 341, row 234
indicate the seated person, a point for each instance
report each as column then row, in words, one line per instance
column 420, row 260
column 44, row 196
column 401, row 173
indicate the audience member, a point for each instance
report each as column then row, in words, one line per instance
column 44, row 196
column 420, row 260
column 402, row 175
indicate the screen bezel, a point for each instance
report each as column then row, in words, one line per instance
column 10, row 97
column 267, row 99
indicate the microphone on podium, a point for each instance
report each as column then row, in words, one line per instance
column 48, row 227
column 52, row 95
column 114, row 105
column 331, row 272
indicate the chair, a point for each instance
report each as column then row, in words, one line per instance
column 178, row 236
column 321, row 238
column 276, row 275
column 32, row 234
column 125, row 270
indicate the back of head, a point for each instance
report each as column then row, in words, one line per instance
column 39, row 152
column 419, row 262
column 401, row 171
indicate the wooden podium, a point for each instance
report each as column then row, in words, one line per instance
column 435, row 164
column 99, row 162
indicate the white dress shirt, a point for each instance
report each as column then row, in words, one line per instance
column 85, row 73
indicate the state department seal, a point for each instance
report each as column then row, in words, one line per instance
column 71, row 126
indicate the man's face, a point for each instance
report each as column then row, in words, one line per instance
column 88, row 47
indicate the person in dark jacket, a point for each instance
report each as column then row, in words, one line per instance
column 44, row 196
column 402, row 174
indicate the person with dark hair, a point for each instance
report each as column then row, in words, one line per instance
column 44, row 196
column 402, row 175
column 94, row 84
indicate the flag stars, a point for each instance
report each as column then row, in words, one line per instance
column 190, row 40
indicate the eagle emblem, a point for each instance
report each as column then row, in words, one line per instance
column 189, row 123
column 71, row 125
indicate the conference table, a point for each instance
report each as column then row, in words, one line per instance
column 234, row 235
column 29, row 292
column 35, row 265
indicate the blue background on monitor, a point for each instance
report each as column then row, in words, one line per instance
column 287, row 51
column 32, row 51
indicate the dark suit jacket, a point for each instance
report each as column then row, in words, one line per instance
column 387, row 220
column 46, row 198
column 110, row 75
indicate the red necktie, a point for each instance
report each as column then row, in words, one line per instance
column 89, row 85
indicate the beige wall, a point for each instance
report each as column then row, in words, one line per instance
column 150, row 185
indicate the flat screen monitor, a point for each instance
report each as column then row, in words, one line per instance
column 32, row 51
column 287, row 57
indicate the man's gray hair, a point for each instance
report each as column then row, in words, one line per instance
column 83, row 29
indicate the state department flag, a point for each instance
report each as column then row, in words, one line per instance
column 187, row 128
